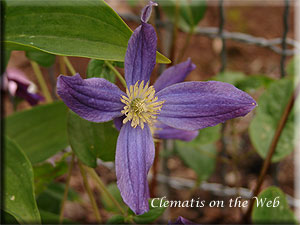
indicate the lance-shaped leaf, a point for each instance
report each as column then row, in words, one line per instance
column 85, row 28
column 40, row 131
column 19, row 199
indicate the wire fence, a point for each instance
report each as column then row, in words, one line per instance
column 282, row 45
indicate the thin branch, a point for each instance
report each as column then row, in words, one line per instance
column 62, row 65
column 185, row 46
column 174, row 32
column 217, row 189
column 103, row 189
column 272, row 147
column 284, row 35
column 62, row 208
column 213, row 32
column 89, row 192
column 69, row 65
column 41, row 81
column 116, row 72
column 153, row 183
column 221, row 35
column 179, row 183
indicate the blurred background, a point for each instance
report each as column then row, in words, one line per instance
column 231, row 41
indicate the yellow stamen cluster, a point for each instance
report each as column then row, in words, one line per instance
column 141, row 105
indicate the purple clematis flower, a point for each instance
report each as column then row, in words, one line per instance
column 172, row 75
column 18, row 85
column 169, row 105
column 181, row 220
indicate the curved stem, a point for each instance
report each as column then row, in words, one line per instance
column 62, row 65
column 273, row 146
column 153, row 183
column 103, row 189
column 41, row 81
column 116, row 72
column 186, row 44
column 174, row 32
column 62, row 208
column 69, row 65
column 90, row 194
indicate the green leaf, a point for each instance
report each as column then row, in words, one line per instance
column 116, row 219
column 42, row 58
column 193, row 11
column 243, row 82
column 85, row 28
column 98, row 68
column 40, row 131
column 6, row 59
column 6, row 218
column 291, row 66
column 208, row 135
column 200, row 158
column 91, row 140
column 50, row 199
column 45, row 173
column 269, row 111
column 230, row 77
column 106, row 201
column 276, row 212
column 190, row 12
column 251, row 83
column 19, row 199
column 152, row 214
column 52, row 218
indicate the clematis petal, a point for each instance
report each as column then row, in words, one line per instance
column 94, row 99
column 140, row 55
column 118, row 122
column 18, row 85
column 196, row 105
column 134, row 157
column 164, row 131
column 181, row 220
column 174, row 74
column 31, row 98
column 146, row 12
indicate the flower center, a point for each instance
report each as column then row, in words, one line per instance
column 141, row 105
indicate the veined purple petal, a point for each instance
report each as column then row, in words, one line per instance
column 146, row 12
column 134, row 157
column 196, row 105
column 174, row 74
column 164, row 131
column 94, row 99
column 140, row 55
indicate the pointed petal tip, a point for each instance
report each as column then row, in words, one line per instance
column 174, row 74
column 94, row 99
column 146, row 11
column 196, row 105
column 134, row 157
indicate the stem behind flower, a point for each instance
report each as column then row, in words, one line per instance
column 116, row 72
column 41, row 81
column 61, row 214
column 89, row 191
